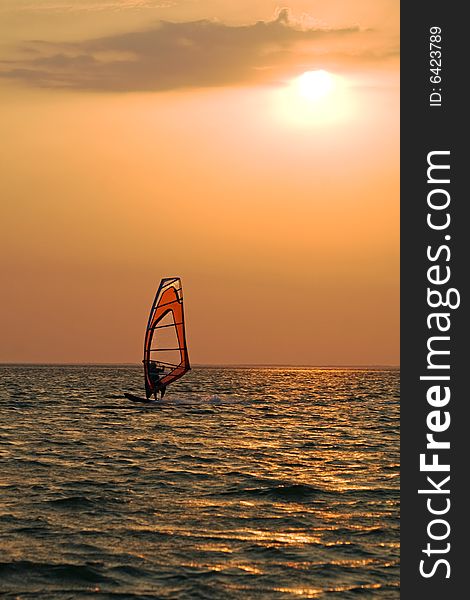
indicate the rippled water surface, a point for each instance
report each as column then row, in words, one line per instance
column 244, row 483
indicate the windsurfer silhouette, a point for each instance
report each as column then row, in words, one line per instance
column 174, row 363
column 155, row 372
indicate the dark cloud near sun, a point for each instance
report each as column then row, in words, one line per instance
column 174, row 55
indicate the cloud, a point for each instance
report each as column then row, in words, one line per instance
column 174, row 55
column 69, row 6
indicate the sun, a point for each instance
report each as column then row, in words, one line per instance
column 314, row 85
column 317, row 98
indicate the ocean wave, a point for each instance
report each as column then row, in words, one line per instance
column 74, row 502
column 60, row 572
column 369, row 492
column 296, row 492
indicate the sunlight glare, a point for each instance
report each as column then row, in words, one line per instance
column 313, row 85
column 316, row 98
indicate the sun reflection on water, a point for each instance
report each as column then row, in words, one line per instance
column 287, row 484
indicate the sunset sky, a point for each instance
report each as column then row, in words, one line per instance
column 249, row 147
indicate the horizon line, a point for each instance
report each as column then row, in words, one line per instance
column 206, row 365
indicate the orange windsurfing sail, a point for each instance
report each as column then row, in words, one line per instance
column 165, row 351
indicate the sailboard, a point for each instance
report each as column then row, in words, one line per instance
column 166, row 357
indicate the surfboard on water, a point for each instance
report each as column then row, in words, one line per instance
column 166, row 357
column 135, row 398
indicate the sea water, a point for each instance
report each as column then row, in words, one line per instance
column 244, row 483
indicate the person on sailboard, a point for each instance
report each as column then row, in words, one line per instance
column 155, row 373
